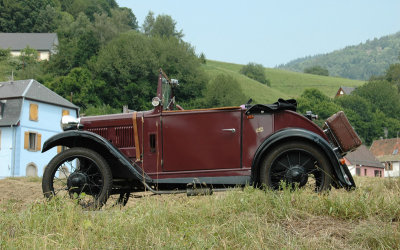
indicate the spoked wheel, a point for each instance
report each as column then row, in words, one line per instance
column 81, row 174
column 296, row 164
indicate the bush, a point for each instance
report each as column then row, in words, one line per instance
column 316, row 70
column 256, row 72
column 224, row 90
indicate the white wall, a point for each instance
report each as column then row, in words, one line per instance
column 395, row 172
column 5, row 151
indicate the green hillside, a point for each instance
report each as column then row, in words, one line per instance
column 355, row 62
column 284, row 84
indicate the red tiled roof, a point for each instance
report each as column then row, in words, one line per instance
column 386, row 147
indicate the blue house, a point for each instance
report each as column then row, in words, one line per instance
column 30, row 113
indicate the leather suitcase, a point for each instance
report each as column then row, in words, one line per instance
column 342, row 133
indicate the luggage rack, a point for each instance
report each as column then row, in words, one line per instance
column 333, row 140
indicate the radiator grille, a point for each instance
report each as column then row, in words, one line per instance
column 100, row 131
column 124, row 137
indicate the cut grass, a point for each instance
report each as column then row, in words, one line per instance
column 365, row 218
column 284, row 84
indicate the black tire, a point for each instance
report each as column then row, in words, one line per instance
column 296, row 164
column 79, row 173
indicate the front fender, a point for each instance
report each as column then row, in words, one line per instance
column 76, row 138
column 341, row 172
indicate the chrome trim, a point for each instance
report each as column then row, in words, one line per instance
column 70, row 123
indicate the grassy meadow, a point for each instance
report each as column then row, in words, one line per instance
column 284, row 84
column 366, row 218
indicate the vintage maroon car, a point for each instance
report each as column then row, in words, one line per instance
column 171, row 150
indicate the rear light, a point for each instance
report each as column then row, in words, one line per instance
column 250, row 117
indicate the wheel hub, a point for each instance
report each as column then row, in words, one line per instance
column 296, row 174
column 76, row 182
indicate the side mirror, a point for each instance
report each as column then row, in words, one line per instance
column 155, row 101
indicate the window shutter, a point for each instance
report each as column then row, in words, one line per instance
column 65, row 112
column 26, row 140
column 39, row 142
column 33, row 112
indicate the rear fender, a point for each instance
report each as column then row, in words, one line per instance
column 341, row 172
column 120, row 164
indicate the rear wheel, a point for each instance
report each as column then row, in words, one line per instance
column 81, row 174
column 296, row 164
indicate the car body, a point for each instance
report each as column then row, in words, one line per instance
column 168, row 149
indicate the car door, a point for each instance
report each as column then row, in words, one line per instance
column 201, row 140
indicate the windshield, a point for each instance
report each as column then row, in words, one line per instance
column 166, row 93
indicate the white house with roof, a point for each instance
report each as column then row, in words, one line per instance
column 44, row 43
column 30, row 113
column 387, row 151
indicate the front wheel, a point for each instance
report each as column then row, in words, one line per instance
column 296, row 164
column 81, row 174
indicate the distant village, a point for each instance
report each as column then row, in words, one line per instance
column 30, row 114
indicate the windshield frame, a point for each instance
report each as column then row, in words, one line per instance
column 166, row 92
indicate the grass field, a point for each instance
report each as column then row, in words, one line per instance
column 367, row 218
column 284, row 84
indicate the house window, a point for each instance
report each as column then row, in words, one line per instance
column 378, row 173
column 388, row 166
column 65, row 112
column 32, row 141
column 33, row 112
column 358, row 171
column 365, row 172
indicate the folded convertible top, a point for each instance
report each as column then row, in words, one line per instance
column 281, row 104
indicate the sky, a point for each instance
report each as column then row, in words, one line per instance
column 273, row 32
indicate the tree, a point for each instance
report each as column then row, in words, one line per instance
column 316, row 101
column 148, row 23
column 202, row 58
column 383, row 95
column 4, row 54
column 393, row 75
column 26, row 16
column 256, row 72
column 129, row 64
column 360, row 113
column 224, row 90
column 162, row 25
column 85, row 91
column 316, row 70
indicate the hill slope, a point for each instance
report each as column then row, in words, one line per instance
column 284, row 84
column 355, row 62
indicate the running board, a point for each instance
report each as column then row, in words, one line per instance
column 191, row 190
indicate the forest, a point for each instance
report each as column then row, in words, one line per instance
column 106, row 59
column 355, row 62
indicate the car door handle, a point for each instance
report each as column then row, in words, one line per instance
column 232, row 130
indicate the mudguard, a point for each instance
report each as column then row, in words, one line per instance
column 341, row 172
column 75, row 138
